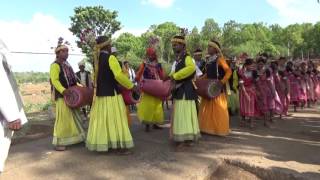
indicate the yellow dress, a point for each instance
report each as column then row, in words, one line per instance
column 233, row 97
column 108, row 126
column 149, row 110
column 68, row 129
column 213, row 113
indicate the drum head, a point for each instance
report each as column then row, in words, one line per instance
column 214, row 89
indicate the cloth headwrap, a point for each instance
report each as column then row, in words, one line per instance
column 59, row 48
column 197, row 52
column 81, row 63
column 178, row 39
column 215, row 45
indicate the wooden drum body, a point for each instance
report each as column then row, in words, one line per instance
column 130, row 97
column 208, row 88
column 157, row 88
column 78, row 96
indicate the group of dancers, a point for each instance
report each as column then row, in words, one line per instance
column 254, row 88
column 109, row 125
column 263, row 87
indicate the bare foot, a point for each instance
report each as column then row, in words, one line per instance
column 242, row 123
column 125, row 152
column 267, row 125
column 147, row 129
column 180, row 147
column 156, row 127
column 60, row 148
column 190, row 143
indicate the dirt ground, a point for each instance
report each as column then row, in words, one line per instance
column 288, row 150
column 35, row 93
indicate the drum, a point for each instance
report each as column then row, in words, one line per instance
column 130, row 97
column 78, row 96
column 157, row 88
column 208, row 88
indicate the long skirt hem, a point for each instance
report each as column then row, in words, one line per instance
column 110, row 145
column 186, row 137
column 68, row 141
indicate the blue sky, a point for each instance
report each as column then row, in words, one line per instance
column 139, row 14
column 34, row 25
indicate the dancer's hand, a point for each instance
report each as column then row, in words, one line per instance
column 15, row 125
column 66, row 92
column 136, row 89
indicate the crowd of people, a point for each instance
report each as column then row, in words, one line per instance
column 253, row 88
column 264, row 87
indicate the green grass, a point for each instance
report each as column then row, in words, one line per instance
column 37, row 107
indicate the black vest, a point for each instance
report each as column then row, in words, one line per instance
column 213, row 72
column 63, row 82
column 187, row 88
column 106, row 82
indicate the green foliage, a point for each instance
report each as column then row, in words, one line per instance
column 31, row 77
column 165, row 31
column 101, row 21
column 210, row 30
column 234, row 37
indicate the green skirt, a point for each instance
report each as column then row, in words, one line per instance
column 108, row 126
column 150, row 110
column 185, row 121
column 68, row 129
column 233, row 102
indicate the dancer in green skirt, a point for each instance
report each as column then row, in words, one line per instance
column 185, row 127
column 108, row 128
column 67, row 128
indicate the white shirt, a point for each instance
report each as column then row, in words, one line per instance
column 198, row 71
column 9, row 106
column 83, row 78
column 132, row 75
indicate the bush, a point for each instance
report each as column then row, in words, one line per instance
column 31, row 77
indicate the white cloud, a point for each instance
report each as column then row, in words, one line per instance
column 296, row 11
column 38, row 35
column 159, row 3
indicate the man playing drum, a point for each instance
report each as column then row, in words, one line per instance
column 213, row 114
column 185, row 128
column 150, row 111
column 67, row 128
column 108, row 126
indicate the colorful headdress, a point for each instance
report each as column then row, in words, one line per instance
column 60, row 47
column 215, row 44
column 151, row 53
column 197, row 52
column 178, row 39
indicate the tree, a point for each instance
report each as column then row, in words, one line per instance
column 127, row 42
column 95, row 19
column 165, row 31
column 194, row 40
column 210, row 30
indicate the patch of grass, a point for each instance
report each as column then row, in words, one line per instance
column 37, row 107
